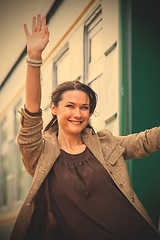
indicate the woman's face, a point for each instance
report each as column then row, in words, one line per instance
column 73, row 112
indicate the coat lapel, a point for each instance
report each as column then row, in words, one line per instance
column 50, row 153
column 93, row 143
column 107, row 154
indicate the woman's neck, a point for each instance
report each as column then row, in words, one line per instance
column 71, row 143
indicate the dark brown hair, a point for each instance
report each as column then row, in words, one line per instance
column 71, row 85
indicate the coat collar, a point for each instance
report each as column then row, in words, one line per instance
column 93, row 143
column 51, row 152
column 52, row 149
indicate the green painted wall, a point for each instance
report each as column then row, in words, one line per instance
column 145, row 93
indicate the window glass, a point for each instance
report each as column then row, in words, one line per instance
column 4, row 163
column 95, row 46
column 62, row 67
column 4, row 131
column 94, row 63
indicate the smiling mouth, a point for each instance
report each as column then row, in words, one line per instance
column 75, row 122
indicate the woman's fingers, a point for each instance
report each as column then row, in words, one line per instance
column 43, row 23
column 39, row 23
column 34, row 28
column 39, row 37
column 26, row 30
column 39, row 26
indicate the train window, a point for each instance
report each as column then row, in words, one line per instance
column 93, row 45
column 62, row 66
column 94, row 61
column 4, row 162
column 94, row 35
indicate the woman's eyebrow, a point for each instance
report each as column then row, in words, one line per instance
column 71, row 102
column 85, row 104
column 75, row 103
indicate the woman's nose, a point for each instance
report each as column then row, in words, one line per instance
column 77, row 112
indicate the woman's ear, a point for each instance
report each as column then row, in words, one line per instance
column 53, row 109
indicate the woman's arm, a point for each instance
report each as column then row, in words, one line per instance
column 140, row 144
column 36, row 43
column 29, row 139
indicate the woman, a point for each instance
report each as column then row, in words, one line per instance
column 81, row 187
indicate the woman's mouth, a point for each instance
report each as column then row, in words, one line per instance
column 75, row 122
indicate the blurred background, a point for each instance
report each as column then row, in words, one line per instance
column 112, row 45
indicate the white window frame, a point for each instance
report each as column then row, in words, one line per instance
column 90, row 29
column 59, row 57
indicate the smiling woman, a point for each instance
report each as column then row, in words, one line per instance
column 81, row 188
column 88, row 103
column 72, row 117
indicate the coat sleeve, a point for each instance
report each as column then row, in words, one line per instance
column 30, row 140
column 141, row 144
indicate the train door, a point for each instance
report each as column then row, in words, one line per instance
column 101, row 70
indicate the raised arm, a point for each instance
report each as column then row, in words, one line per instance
column 29, row 139
column 140, row 144
column 36, row 43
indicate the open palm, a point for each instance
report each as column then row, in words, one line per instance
column 38, row 39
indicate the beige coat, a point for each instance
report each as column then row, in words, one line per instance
column 40, row 151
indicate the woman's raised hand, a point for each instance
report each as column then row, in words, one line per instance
column 38, row 39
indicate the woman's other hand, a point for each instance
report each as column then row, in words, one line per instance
column 38, row 39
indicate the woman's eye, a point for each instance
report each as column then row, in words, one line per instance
column 70, row 106
column 85, row 108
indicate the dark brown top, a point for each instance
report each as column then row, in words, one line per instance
column 86, row 203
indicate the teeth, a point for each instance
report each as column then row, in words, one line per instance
column 75, row 122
